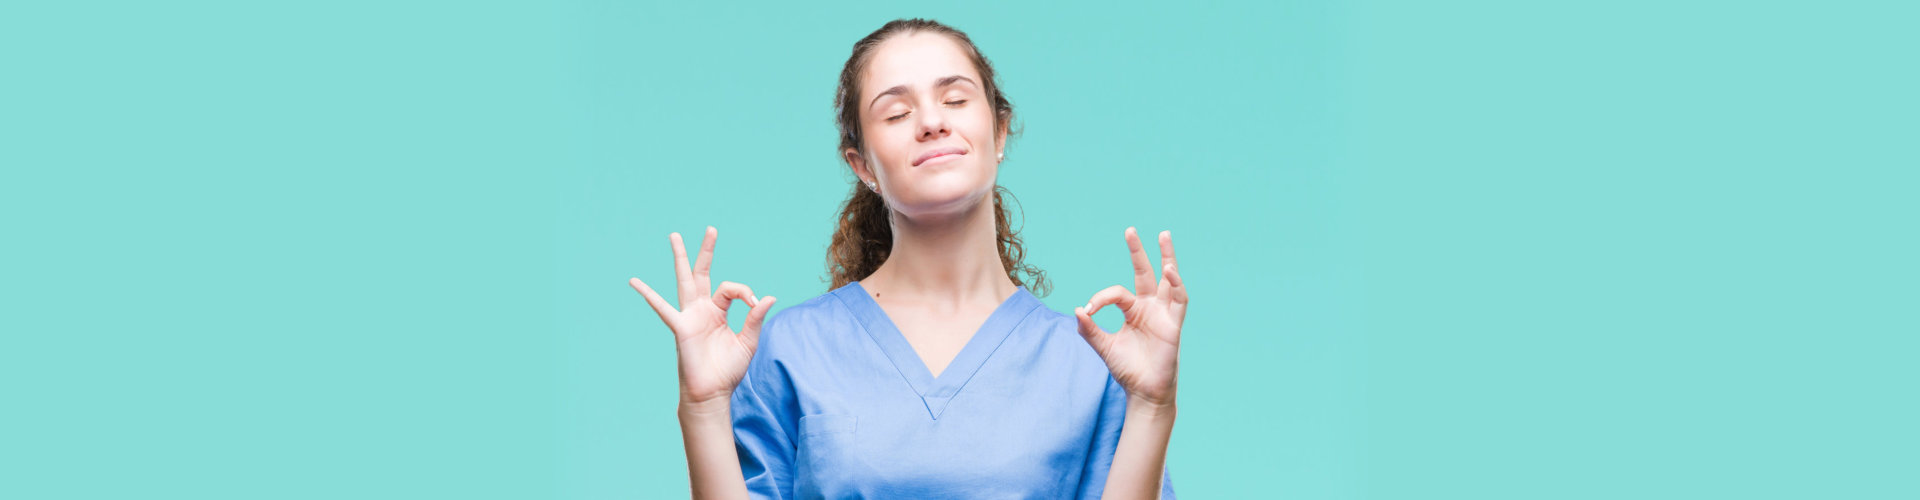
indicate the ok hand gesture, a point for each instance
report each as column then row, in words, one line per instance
column 712, row 358
column 1145, row 355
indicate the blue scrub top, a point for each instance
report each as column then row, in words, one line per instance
column 836, row 404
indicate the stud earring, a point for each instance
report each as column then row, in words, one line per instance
column 1003, row 157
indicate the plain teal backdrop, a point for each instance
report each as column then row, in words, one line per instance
column 1473, row 249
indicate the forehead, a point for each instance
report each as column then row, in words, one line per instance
column 914, row 60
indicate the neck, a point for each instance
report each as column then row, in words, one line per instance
column 953, row 259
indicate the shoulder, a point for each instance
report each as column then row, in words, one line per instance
column 789, row 339
column 1058, row 334
column 806, row 324
column 1052, row 323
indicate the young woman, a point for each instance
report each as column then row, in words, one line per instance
column 930, row 370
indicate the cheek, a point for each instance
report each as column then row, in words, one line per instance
column 889, row 146
column 980, row 128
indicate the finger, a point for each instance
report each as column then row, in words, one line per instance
column 1166, row 250
column 1142, row 271
column 1111, row 295
column 681, row 274
column 729, row 291
column 752, row 329
column 703, row 264
column 1096, row 336
column 660, row 305
column 1174, row 289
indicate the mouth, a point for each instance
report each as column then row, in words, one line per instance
column 939, row 155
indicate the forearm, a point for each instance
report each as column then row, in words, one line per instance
column 1142, row 453
column 712, row 463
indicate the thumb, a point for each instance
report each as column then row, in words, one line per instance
column 751, row 330
column 1095, row 336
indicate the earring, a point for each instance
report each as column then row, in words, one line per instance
column 870, row 187
column 1003, row 157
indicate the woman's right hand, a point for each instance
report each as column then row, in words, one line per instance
column 713, row 358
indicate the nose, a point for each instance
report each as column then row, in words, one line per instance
column 933, row 123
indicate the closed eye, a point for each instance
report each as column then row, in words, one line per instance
column 955, row 102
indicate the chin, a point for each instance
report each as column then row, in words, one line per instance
column 940, row 199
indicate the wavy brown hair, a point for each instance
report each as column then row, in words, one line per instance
column 864, row 237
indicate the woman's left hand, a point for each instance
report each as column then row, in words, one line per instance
column 1144, row 356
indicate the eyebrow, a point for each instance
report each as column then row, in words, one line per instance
column 902, row 89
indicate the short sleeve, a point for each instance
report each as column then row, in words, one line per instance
column 1106, row 439
column 762, row 427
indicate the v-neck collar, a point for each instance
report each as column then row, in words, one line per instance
column 935, row 392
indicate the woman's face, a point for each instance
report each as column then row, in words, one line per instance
column 932, row 148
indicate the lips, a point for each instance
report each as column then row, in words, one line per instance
column 936, row 153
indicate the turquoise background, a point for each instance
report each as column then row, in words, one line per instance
column 1437, row 249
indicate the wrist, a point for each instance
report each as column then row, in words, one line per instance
column 1156, row 410
column 708, row 407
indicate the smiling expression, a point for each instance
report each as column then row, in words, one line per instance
column 931, row 143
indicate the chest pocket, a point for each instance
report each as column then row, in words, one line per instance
column 823, row 425
column 826, row 463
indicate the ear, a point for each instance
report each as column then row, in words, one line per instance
column 1000, row 145
column 858, row 163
